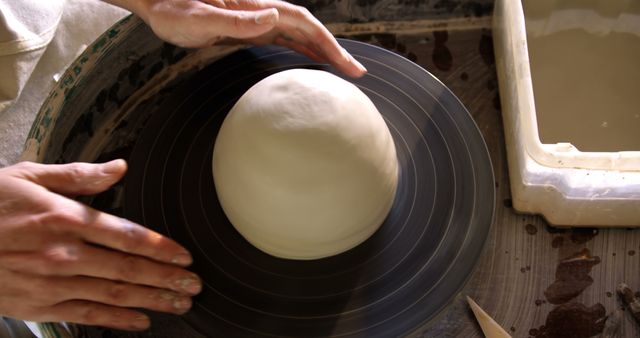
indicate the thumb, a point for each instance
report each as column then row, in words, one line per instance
column 75, row 178
column 241, row 24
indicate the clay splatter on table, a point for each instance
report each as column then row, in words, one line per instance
column 572, row 320
column 572, row 277
column 442, row 57
column 557, row 242
column 582, row 235
column 531, row 229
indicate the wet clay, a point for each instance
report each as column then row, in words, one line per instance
column 442, row 57
column 572, row 277
column 583, row 235
column 557, row 242
column 572, row 320
column 539, row 302
column 531, row 229
column 507, row 203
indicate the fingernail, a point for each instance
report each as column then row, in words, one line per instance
column 113, row 167
column 267, row 17
column 182, row 304
column 190, row 284
column 183, row 259
column 349, row 58
column 141, row 322
column 359, row 66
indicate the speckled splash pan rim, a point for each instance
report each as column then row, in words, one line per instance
column 391, row 285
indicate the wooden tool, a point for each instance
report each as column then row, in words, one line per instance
column 490, row 328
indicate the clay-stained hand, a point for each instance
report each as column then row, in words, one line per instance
column 199, row 23
column 63, row 261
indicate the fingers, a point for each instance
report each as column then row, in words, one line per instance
column 98, row 262
column 237, row 24
column 92, row 313
column 71, row 217
column 322, row 41
column 47, row 299
column 74, row 178
column 116, row 233
column 316, row 41
column 117, row 294
column 79, row 259
column 293, row 19
column 300, row 48
column 63, row 261
column 50, row 290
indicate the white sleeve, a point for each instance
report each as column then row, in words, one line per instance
column 26, row 28
column 64, row 28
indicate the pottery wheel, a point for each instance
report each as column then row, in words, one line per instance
column 393, row 283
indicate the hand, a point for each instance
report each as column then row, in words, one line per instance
column 63, row 261
column 199, row 23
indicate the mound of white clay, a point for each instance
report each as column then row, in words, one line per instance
column 304, row 165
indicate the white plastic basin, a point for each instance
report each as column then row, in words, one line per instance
column 599, row 186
